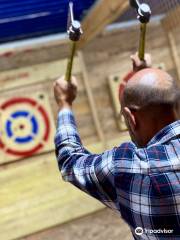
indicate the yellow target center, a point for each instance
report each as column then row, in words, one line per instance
column 21, row 127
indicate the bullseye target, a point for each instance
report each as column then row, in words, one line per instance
column 26, row 127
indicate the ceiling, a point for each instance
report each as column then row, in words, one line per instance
column 22, row 19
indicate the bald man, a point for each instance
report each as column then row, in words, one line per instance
column 139, row 179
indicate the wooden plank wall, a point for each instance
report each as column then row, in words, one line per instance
column 177, row 41
column 32, row 197
column 110, row 53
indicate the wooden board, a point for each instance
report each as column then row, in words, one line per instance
column 33, row 196
column 174, row 52
column 103, row 13
column 102, row 225
column 114, row 83
column 171, row 21
column 34, row 74
column 26, row 126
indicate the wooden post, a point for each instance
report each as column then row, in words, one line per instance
column 170, row 23
column 174, row 52
column 91, row 100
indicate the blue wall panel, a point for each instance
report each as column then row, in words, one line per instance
column 20, row 19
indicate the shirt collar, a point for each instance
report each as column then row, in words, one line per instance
column 167, row 133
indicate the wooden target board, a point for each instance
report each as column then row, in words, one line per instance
column 114, row 82
column 26, row 127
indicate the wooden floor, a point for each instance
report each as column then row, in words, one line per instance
column 33, row 197
column 103, row 225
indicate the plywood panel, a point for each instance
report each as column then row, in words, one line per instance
column 114, row 82
column 81, row 106
column 33, row 197
column 26, row 126
column 35, row 74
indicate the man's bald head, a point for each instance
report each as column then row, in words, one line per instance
column 150, row 87
column 149, row 103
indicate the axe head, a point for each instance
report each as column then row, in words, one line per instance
column 143, row 10
column 74, row 27
column 144, row 13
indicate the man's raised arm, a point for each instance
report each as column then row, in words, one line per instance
column 92, row 173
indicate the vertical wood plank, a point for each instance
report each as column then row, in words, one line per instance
column 91, row 100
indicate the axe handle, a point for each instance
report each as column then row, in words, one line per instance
column 142, row 41
column 70, row 62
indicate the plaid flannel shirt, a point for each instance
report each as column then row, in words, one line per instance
column 142, row 184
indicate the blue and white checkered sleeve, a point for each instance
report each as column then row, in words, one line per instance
column 92, row 173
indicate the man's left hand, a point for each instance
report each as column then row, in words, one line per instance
column 65, row 92
column 138, row 64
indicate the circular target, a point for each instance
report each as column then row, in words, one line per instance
column 25, row 127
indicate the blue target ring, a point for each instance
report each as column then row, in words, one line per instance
column 34, row 127
column 8, row 128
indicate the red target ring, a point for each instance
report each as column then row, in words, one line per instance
column 32, row 103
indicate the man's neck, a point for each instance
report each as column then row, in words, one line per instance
column 159, row 124
column 156, row 123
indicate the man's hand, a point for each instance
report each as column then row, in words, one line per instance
column 138, row 64
column 64, row 92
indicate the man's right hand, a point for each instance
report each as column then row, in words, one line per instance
column 138, row 64
column 65, row 92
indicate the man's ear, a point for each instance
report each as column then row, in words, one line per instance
column 130, row 117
